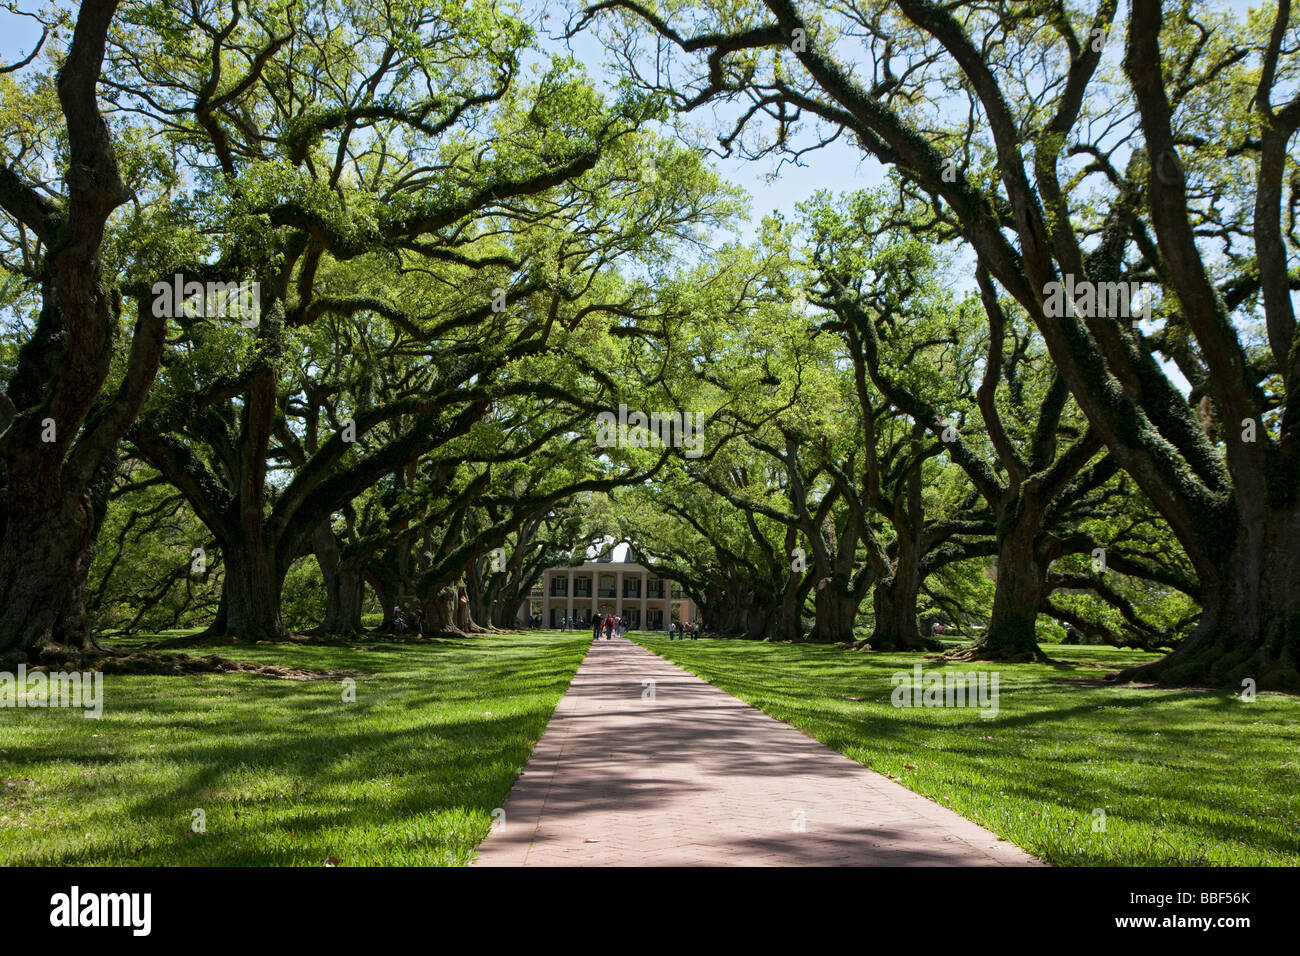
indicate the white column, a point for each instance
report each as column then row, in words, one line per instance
column 569, row 602
column 645, row 590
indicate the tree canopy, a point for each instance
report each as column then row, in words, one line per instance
column 313, row 310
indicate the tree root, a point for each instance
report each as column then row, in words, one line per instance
column 983, row 652
column 1227, row 672
column 146, row 662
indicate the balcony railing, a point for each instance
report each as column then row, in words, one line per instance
column 609, row 592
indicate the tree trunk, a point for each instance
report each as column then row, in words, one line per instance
column 385, row 586
column 348, row 593
column 1250, row 624
column 47, row 497
column 251, row 594
column 894, row 602
column 897, row 628
column 1021, row 583
column 836, row 608
column 344, row 585
column 503, row 612
column 444, row 611
column 464, row 613
column 787, row 621
column 44, row 557
column 732, row 612
column 731, row 602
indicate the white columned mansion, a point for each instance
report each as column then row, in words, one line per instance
column 621, row 588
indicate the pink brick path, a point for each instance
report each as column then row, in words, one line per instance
column 697, row 777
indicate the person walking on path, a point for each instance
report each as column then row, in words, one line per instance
column 595, row 628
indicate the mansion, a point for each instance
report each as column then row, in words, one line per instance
column 605, row 587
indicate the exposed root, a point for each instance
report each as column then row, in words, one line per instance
column 1225, row 672
column 299, row 640
column 982, row 652
column 146, row 662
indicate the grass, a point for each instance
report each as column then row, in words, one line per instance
column 1184, row 777
column 285, row 772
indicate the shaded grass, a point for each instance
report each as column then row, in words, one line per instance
column 1184, row 777
column 285, row 772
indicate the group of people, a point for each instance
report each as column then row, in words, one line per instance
column 681, row 631
column 399, row 621
column 610, row 626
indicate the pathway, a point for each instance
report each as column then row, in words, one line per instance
column 690, row 775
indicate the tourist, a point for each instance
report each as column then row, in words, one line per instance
column 419, row 622
column 595, row 629
column 399, row 623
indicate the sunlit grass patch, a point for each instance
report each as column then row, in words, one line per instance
column 285, row 772
column 1183, row 777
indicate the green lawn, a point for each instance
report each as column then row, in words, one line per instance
column 285, row 771
column 1184, row 777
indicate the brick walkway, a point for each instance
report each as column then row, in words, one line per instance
column 696, row 777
